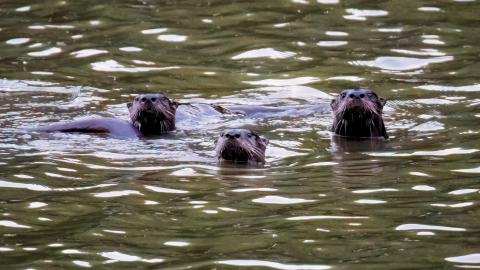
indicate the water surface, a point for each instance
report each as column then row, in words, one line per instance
column 75, row 201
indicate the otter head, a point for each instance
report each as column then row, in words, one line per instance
column 152, row 113
column 241, row 146
column 358, row 113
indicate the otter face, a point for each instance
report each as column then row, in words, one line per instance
column 241, row 146
column 358, row 98
column 358, row 113
column 152, row 113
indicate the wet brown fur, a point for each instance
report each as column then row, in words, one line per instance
column 152, row 113
column 358, row 114
column 149, row 114
column 241, row 146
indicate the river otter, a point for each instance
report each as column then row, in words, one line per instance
column 150, row 114
column 241, row 146
column 358, row 114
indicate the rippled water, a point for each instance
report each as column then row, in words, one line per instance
column 74, row 201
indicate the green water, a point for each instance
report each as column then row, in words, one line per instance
column 79, row 201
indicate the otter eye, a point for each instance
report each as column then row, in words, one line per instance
column 136, row 99
column 344, row 95
column 221, row 134
column 153, row 99
column 249, row 134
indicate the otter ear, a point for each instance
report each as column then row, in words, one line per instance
column 129, row 104
column 263, row 140
column 383, row 101
column 175, row 103
column 334, row 104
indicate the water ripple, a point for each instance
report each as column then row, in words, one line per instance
column 279, row 200
column 331, row 43
column 474, row 170
column 73, row 251
column 176, row 243
column 265, row 52
column 12, row 224
column 254, row 189
column 445, row 152
column 82, row 263
column 401, row 63
column 114, row 66
column 423, row 188
column 47, row 52
column 457, row 205
column 116, row 256
column 360, row 15
column 470, row 258
column 465, row 88
column 120, row 193
column 17, row 41
column 374, row 190
column 154, row 31
column 407, row 227
column 87, row 52
column 273, row 265
column 463, row 191
column 165, row 190
column 172, row 38
column 430, row 52
column 325, row 217
column 370, row 201
column 23, row 9
column 429, row 9
column 347, row 78
column 37, row 187
column 285, row 82
column 130, row 49
column 336, row 33
column 328, row 1
column 37, row 204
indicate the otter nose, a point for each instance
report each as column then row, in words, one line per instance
column 151, row 98
column 357, row 94
column 232, row 134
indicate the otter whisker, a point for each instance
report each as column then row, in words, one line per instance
column 370, row 127
column 254, row 150
column 375, row 127
column 258, row 152
column 339, row 125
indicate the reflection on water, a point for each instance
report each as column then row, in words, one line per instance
column 319, row 202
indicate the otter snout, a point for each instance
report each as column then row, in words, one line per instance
column 232, row 134
column 356, row 94
column 148, row 98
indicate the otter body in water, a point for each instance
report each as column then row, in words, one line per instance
column 358, row 114
column 150, row 114
column 241, row 146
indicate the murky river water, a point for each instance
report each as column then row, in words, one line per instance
column 74, row 201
